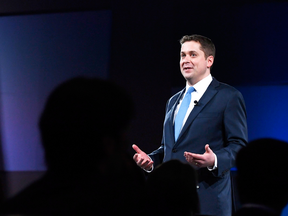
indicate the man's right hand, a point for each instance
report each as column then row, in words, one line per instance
column 142, row 159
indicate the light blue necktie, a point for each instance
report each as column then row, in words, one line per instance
column 182, row 112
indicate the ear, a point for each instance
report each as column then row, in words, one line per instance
column 210, row 61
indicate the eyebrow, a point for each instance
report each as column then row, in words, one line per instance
column 189, row 51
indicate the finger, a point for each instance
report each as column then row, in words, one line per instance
column 140, row 162
column 145, row 163
column 189, row 159
column 198, row 161
column 149, row 166
column 207, row 148
column 135, row 157
column 136, row 148
column 188, row 153
column 197, row 156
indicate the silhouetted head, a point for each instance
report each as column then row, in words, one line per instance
column 262, row 175
column 172, row 189
column 83, row 120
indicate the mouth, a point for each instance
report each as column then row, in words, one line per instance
column 185, row 68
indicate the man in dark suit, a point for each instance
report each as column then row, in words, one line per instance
column 212, row 131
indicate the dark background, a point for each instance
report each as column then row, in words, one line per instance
column 250, row 38
column 251, row 54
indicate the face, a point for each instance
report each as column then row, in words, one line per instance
column 193, row 64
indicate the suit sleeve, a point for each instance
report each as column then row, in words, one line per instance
column 158, row 155
column 235, row 132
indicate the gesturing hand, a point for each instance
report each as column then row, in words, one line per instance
column 142, row 159
column 201, row 160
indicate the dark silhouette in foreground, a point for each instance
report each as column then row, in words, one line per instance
column 262, row 177
column 172, row 190
column 83, row 129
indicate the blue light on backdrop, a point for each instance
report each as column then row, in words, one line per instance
column 37, row 52
column 267, row 111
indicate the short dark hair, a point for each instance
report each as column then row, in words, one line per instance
column 207, row 46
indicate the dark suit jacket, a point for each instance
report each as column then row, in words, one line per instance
column 219, row 119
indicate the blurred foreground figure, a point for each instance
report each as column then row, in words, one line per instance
column 172, row 190
column 262, row 177
column 83, row 129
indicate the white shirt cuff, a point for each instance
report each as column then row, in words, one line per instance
column 215, row 164
column 149, row 171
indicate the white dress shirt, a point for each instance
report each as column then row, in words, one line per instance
column 200, row 88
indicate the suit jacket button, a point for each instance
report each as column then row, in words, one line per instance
column 174, row 150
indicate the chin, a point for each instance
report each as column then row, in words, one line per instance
column 189, row 79
column 188, row 76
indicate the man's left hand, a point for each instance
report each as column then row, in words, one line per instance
column 201, row 160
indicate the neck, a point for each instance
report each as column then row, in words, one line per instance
column 192, row 82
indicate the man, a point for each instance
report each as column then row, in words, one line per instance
column 212, row 131
column 89, row 172
column 263, row 189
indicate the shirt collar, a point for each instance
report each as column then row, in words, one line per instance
column 202, row 85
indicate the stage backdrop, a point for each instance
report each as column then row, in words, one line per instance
column 37, row 52
column 267, row 114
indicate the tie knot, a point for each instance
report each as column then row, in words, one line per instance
column 190, row 89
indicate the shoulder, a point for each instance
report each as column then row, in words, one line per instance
column 177, row 94
column 174, row 98
column 225, row 89
column 222, row 86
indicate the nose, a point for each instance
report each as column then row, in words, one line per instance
column 186, row 59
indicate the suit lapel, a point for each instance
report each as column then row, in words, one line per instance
column 171, row 115
column 207, row 96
